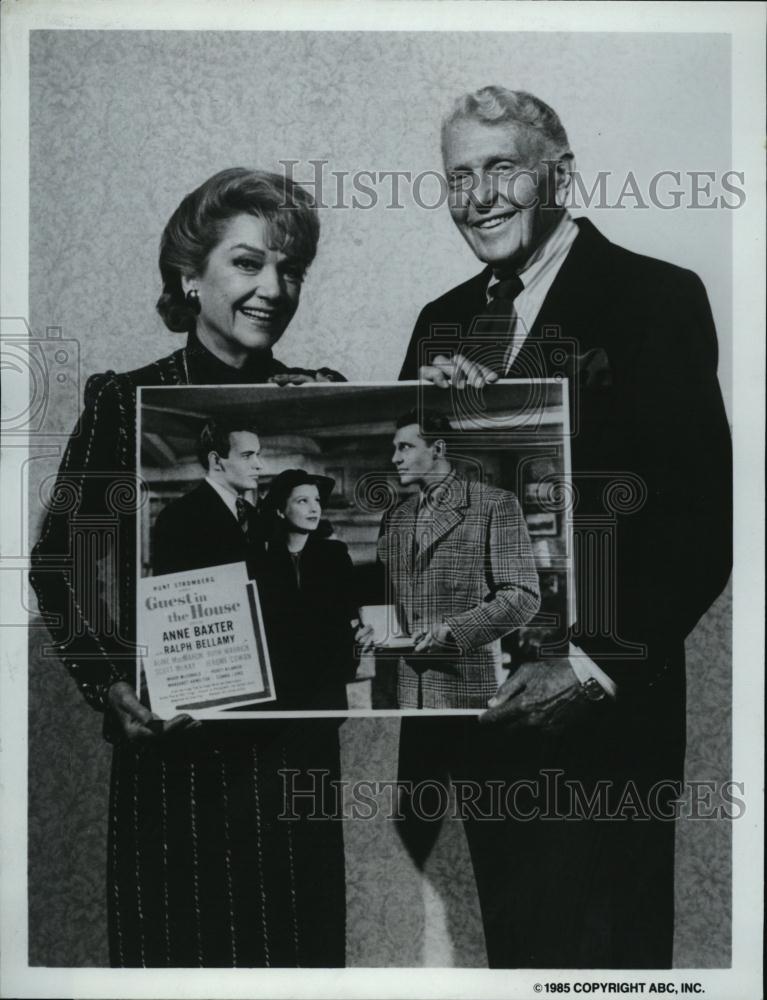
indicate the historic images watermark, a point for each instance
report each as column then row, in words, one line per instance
column 549, row 796
column 667, row 189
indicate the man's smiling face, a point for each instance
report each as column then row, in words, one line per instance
column 498, row 186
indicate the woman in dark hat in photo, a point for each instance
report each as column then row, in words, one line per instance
column 201, row 869
column 307, row 596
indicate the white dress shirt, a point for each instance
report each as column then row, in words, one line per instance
column 537, row 276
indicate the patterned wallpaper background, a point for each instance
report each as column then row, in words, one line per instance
column 123, row 124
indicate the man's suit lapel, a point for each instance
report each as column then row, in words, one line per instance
column 221, row 517
column 401, row 537
column 226, row 534
column 572, row 291
column 474, row 304
column 448, row 512
column 565, row 331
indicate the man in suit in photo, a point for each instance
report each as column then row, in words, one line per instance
column 651, row 464
column 460, row 568
column 215, row 523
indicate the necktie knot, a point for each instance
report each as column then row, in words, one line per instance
column 507, row 289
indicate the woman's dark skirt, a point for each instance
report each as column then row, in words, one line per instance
column 206, row 865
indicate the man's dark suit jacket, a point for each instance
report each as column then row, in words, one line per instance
column 650, row 446
column 198, row 530
column 651, row 463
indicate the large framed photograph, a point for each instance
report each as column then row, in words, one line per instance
column 375, row 518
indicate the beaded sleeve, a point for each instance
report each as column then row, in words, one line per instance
column 83, row 565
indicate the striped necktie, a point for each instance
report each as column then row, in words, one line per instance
column 501, row 309
column 502, row 295
column 244, row 510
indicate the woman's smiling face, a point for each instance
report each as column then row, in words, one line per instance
column 303, row 508
column 248, row 291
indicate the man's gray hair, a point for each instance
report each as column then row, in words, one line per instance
column 498, row 106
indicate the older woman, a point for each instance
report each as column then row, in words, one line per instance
column 307, row 594
column 203, row 871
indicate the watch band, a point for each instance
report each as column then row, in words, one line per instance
column 593, row 690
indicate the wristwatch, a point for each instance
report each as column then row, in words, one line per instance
column 592, row 690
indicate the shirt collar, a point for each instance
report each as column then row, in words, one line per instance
column 553, row 249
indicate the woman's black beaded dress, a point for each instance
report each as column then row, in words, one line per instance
column 205, row 865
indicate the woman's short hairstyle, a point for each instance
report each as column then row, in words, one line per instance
column 196, row 227
column 498, row 106
column 284, row 484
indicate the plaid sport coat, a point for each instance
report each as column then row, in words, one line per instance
column 465, row 560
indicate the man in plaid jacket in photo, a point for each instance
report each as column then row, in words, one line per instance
column 460, row 571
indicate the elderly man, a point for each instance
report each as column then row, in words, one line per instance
column 461, row 568
column 651, row 466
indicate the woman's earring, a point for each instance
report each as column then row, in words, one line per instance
column 193, row 300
